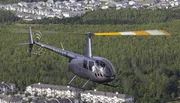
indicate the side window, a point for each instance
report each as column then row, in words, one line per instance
column 91, row 64
column 85, row 64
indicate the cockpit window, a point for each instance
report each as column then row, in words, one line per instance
column 85, row 64
column 97, row 62
column 109, row 68
column 100, row 63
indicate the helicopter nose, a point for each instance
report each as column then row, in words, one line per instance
column 110, row 77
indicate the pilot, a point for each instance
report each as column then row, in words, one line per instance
column 101, row 70
column 94, row 67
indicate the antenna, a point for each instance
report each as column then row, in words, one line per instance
column 89, row 45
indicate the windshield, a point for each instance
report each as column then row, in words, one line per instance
column 106, row 66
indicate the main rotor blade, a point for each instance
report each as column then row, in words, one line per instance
column 138, row 33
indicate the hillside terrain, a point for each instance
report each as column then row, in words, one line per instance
column 147, row 67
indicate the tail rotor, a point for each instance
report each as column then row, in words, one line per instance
column 38, row 50
column 30, row 41
column 34, row 49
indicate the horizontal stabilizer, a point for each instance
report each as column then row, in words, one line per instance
column 138, row 33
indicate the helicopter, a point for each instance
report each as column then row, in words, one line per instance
column 92, row 68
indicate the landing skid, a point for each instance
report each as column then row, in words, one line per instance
column 114, row 86
column 81, row 87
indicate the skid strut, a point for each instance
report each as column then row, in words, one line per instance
column 85, row 83
column 72, row 79
column 75, row 86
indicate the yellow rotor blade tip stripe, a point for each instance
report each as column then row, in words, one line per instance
column 141, row 33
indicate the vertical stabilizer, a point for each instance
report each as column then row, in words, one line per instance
column 89, row 45
column 30, row 41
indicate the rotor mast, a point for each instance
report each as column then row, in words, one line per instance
column 89, row 45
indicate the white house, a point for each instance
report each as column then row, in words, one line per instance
column 105, row 97
column 51, row 90
column 132, row 2
column 105, row 7
column 10, row 99
column 7, row 87
column 72, row 1
column 72, row 14
column 50, row 1
column 22, row 4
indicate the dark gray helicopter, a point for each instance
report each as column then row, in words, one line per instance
column 93, row 68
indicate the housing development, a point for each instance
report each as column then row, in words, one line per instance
column 72, row 8
column 46, row 93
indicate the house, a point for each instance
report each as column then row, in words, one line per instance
column 64, row 100
column 132, row 2
column 72, row 1
column 16, row 100
column 41, row 3
column 80, row 4
column 13, row 7
column 22, row 4
column 177, row 2
column 164, row 4
column 10, row 99
column 118, row 5
column 2, row 6
column 51, row 15
column 4, row 98
column 51, row 90
column 89, row 6
column 105, row 7
column 105, row 97
column 7, row 87
column 71, row 14
column 86, row 1
column 50, row 1
column 137, row 6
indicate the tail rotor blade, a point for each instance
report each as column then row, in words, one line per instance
column 30, row 36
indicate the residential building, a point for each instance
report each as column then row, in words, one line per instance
column 10, row 99
column 7, row 87
column 52, row 90
column 64, row 100
column 63, row 9
column 64, row 93
column 105, row 97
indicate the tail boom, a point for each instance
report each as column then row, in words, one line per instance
column 65, row 53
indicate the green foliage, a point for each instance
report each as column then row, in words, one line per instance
column 7, row 17
column 9, row 1
column 148, row 66
column 122, row 16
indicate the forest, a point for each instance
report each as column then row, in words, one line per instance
column 148, row 68
column 8, row 17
